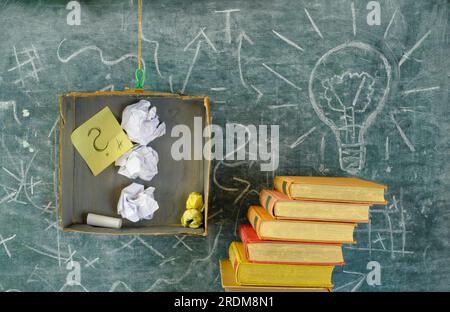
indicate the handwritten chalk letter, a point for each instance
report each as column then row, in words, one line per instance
column 74, row 16
column 374, row 16
column 100, row 141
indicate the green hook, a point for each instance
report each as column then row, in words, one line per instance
column 140, row 77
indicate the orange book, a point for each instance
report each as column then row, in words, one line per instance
column 268, row 228
column 270, row 274
column 229, row 283
column 331, row 189
column 280, row 206
column 265, row 251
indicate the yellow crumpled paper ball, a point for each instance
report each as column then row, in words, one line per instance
column 192, row 218
column 195, row 201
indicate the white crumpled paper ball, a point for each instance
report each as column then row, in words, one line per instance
column 142, row 123
column 136, row 204
column 139, row 162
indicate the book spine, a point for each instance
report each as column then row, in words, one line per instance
column 267, row 201
column 282, row 186
column 254, row 220
column 234, row 259
column 242, row 234
column 245, row 237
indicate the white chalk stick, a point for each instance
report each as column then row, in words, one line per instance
column 103, row 221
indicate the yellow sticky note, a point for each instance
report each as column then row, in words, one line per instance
column 100, row 140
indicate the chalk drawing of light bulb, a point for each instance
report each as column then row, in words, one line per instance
column 347, row 89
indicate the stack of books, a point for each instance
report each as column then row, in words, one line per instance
column 294, row 239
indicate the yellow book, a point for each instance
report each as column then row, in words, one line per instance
column 100, row 140
column 269, row 251
column 331, row 189
column 280, row 206
column 229, row 283
column 290, row 275
column 268, row 228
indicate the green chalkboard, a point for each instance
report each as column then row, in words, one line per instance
column 296, row 64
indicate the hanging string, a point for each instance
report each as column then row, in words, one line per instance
column 140, row 73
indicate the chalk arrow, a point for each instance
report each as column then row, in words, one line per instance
column 260, row 94
column 121, row 286
column 244, row 190
column 240, row 39
column 188, row 75
column 242, row 36
column 201, row 34
column 155, row 54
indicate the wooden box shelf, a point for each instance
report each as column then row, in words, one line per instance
column 80, row 192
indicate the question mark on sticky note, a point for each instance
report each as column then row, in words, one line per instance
column 94, row 143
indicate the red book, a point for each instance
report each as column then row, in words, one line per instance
column 266, row 251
